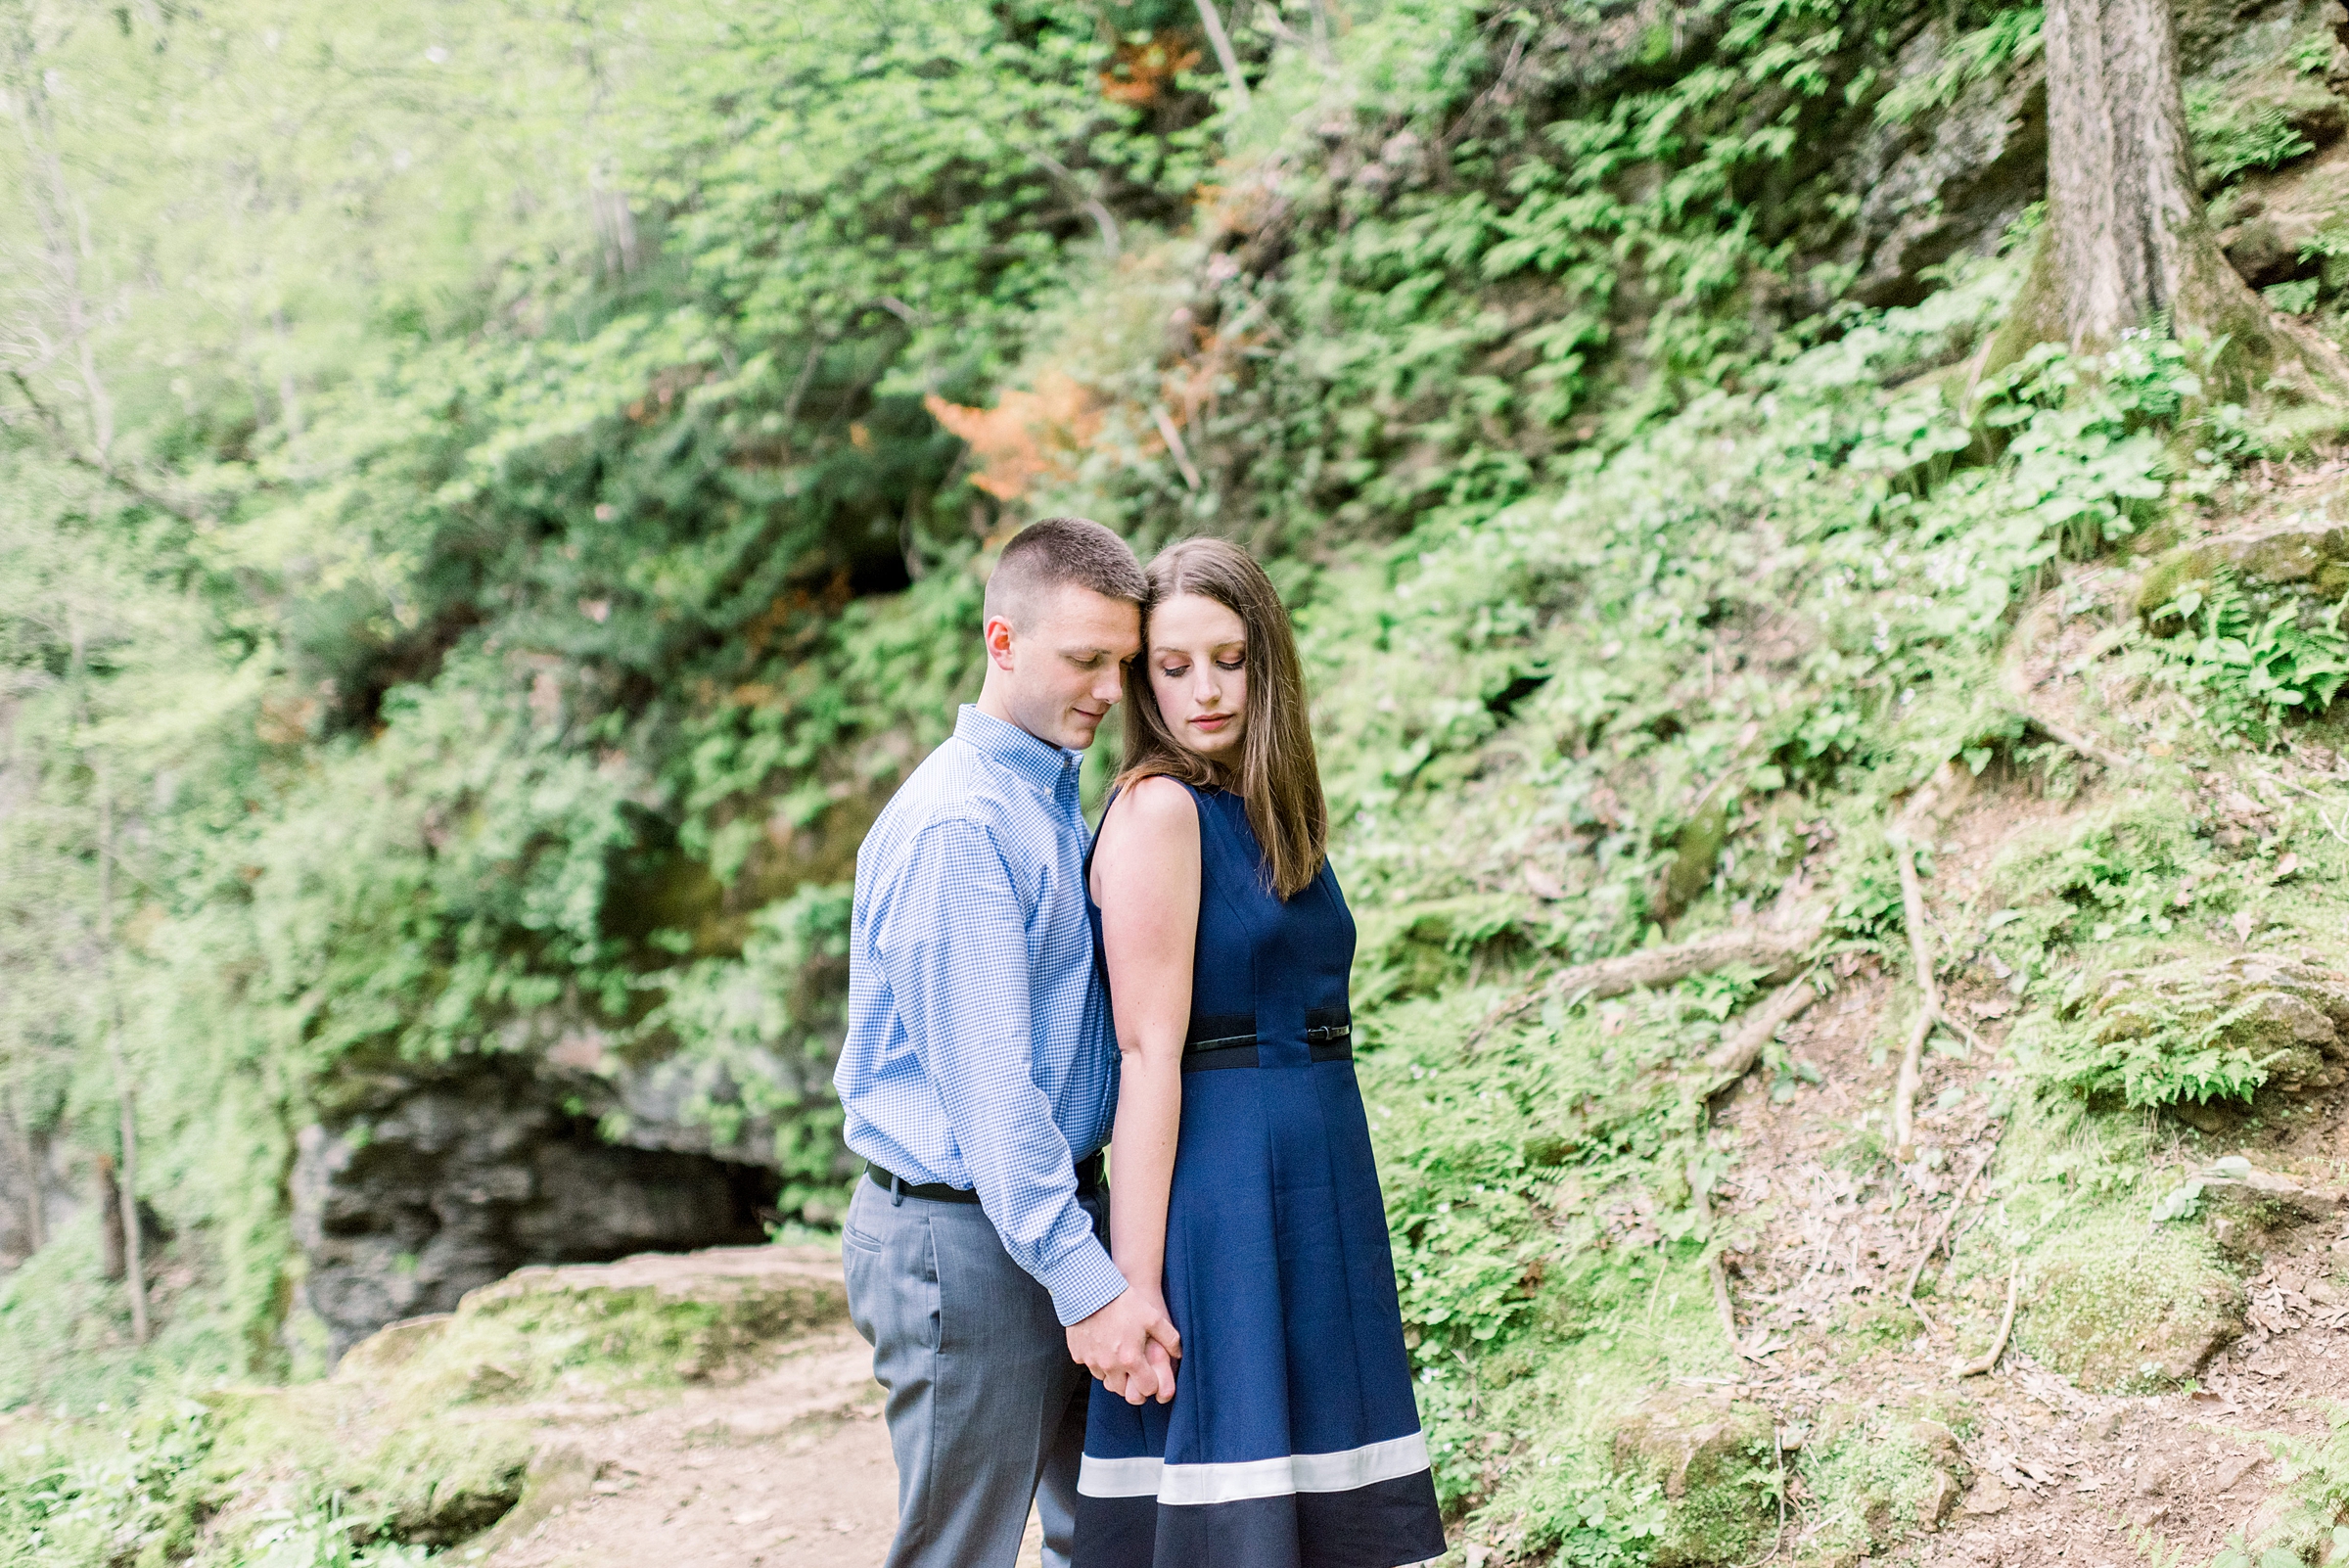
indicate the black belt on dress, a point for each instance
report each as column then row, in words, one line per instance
column 1231, row 1039
column 1088, row 1177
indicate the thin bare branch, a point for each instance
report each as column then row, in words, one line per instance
column 67, row 451
column 1225, row 54
column 1941, row 1229
column 1172, row 434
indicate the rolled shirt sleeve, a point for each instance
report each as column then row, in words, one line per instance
column 954, row 951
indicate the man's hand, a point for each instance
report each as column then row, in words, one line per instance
column 1130, row 1345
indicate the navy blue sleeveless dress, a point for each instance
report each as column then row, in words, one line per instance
column 1293, row 1440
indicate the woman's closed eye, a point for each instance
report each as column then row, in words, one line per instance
column 1177, row 672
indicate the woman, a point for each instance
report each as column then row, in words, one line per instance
column 1243, row 1186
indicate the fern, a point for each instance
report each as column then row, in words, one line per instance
column 2009, row 39
column 2250, row 669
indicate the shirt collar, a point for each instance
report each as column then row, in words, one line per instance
column 1040, row 761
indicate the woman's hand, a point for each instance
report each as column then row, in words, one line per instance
column 1159, row 1351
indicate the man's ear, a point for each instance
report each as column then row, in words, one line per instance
column 999, row 636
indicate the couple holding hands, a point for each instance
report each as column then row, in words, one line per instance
column 1224, row 1384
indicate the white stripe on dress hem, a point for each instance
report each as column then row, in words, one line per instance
column 1179, row 1485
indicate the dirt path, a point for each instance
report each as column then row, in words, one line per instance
column 790, row 1468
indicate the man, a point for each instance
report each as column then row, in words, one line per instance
column 978, row 1078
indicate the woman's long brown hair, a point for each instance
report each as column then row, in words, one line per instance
column 1277, row 776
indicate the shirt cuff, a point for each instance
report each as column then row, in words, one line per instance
column 1083, row 1282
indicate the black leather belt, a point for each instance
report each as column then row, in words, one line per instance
column 1231, row 1039
column 1088, row 1177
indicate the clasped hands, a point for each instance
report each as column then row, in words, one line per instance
column 1130, row 1345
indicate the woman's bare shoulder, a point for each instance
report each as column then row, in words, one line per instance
column 1152, row 812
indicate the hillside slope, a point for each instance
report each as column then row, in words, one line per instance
column 475, row 757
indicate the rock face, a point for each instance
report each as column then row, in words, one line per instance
column 682, row 1314
column 2309, row 550
column 442, row 1184
column 1951, row 182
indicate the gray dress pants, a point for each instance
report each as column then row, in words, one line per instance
column 986, row 1411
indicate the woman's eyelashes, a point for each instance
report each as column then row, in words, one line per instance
column 1177, row 672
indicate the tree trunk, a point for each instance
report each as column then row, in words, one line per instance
column 126, row 1219
column 2127, row 243
column 112, row 1247
column 134, row 1234
column 36, row 1229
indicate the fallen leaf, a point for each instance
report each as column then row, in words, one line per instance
column 2286, row 866
column 1545, row 885
column 2242, row 923
column 751, row 1516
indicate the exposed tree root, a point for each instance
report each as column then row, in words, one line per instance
column 1715, row 1270
column 2103, row 756
column 1779, row 953
column 1734, row 1057
column 1913, row 913
column 1931, row 1010
column 1998, row 1346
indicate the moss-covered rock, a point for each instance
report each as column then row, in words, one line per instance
column 2306, row 549
column 377, row 1435
column 659, row 1317
column 1715, row 1459
column 2198, row 1029
column 2123, row 1307
column 1875, row 1475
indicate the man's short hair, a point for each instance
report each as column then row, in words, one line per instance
column 1042, row 556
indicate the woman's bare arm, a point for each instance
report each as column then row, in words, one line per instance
column 1146, row 881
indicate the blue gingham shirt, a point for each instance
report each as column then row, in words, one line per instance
column 979, row 1051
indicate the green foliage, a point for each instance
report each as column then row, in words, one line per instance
column 2247, row 667
column 2087, row 435
column 2232, row 133
column 2317, row 1479
column 2124, row 872
column 1872, row 1475
column 1478, row 274
column 1984, row 54
column 2191, row 1058
column 78, row 1497
column 561, row 587
column 2295, row 298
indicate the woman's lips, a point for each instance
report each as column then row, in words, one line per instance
column 1212, row 721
